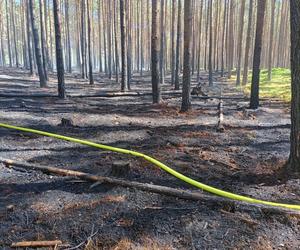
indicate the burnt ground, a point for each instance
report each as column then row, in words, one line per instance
column 247, row 159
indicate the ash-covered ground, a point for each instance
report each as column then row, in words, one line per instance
column 247, row 158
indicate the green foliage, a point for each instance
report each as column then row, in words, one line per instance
column 279, row 86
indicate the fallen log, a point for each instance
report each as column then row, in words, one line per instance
column 47, row 243
column 179, row 193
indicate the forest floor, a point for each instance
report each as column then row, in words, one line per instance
column 247, row 158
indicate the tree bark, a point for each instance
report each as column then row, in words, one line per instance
column 59, row 53
column 254, row 101
column 186, row 78
column 38, row 57
column 295, row 102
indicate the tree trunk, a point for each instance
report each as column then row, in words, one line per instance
column 128, row 45
column 154, row 55
column 116, row 43
column 99, row 36
column 69, row 51
column 29, row 40
column 51, row 41
column 231, row 39
column 240, row 43
column 173, row 43
column 43, row 40
column 59, row 52
column 254, row 101
column 91, row 78
column 8, row 35
column 199, row 42
column 38, row 57
column 14, row 33
column 210, row 76
column 162, row 43
column 83, row 40
column 3, row 61
column 108, row 15
column 124, row 79
column 273, row 3
column 142, row 38
column 295, row 103
column 223, row 37
column 186, row 79
column 178, row 43
column 248, row 43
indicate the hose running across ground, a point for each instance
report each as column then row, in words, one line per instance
column 159, row 164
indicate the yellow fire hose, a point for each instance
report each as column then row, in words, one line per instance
column 159, row 164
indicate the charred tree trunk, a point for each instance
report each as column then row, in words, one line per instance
column 254, row 101
column 43, row 81
column 124, row 79
column 186, row 79
column 91, row 78
column 59, row 52
column 154, row 55
column 295, row 103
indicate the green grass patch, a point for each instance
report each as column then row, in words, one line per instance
column 279, row 87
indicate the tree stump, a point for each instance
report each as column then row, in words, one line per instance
column 120, row 169
column 220, row 128
column 66, row 122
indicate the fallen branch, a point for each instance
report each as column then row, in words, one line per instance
column 179, row 193
column 36, row 243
